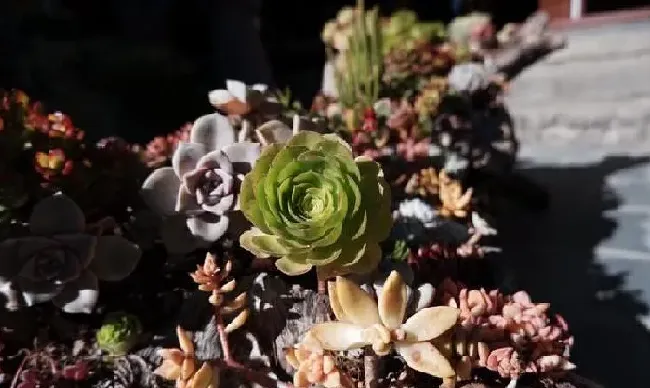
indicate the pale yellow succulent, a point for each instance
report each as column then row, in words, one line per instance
column 363, row 322
column 453, row 201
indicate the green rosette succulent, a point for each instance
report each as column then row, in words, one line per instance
column 313, row 205
column 118, row 333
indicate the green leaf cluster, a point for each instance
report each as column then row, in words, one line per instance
column 313, row 205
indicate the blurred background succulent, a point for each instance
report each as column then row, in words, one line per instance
column 42, row 153
column 158, row 152
column 403, row 29
column 517, row 335
column 359, row 72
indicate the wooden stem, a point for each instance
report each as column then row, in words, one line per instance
column 322, row 287
column 370, row 368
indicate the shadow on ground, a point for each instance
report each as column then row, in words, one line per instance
column 552, row 256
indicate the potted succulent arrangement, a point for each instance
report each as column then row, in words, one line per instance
column 267, row 245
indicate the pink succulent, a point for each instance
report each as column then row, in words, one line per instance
column 475, row 304
column 313, row 366
column 410, row 149
column 480, row 310
column 506, row 362
column 553, row 363
column 514, row 326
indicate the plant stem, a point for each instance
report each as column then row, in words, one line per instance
column 229, row 363
column 370, row 368
column 14, row 382
column 322, row 287
column 223, row 337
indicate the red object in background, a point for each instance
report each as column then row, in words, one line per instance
column 557, row 9
column 596, row 12
column 369, row 120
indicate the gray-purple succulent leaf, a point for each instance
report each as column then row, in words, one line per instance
column 214, row 131
column 59, row 262
column 201, row 186
column 236, row 90
column 274, row 132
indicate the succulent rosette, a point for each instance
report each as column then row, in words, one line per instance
column 198, row 193
column 59, row 261
column 118, row 333
column 313, row 204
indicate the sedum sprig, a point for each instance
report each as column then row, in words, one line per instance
column 214, row 279
column 181, row 364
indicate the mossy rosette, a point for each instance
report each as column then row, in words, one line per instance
column 313, row 204
column 118, row 333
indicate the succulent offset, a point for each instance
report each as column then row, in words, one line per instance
column 118, row 333
column 313, row 204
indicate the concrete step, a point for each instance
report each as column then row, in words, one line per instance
column 596, row 91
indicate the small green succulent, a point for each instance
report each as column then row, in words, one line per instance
column 400, row 251
column 118, row 333
column 313, row 204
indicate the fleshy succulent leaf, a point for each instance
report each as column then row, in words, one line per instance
column 213, row 131
column 425, row 358
column 115, row 258
column 291, row 267
column 358, row 306
column 429, row 323
column 186, row 157
column 160, row 189
column 393, row 301
column 339, row 336
column 80, row 295
column 209, row 227
column 57, row 214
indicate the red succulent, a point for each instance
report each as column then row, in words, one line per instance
column 52, row 163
